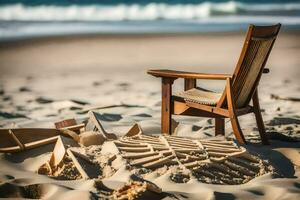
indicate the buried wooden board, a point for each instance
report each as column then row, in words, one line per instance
column 20, row 139
column 95, row 124
column 62, row 151
column 209, row 161
column 65, row 123
column 58, row 153
column 69, row 127
column 138, row 190
column 15, row 140
column 84, row 165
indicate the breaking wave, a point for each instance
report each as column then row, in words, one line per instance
column 151, row 11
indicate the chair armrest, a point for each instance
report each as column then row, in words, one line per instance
column 266, row 70
column 164, row 73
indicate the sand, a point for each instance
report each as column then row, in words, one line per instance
column 46, row 80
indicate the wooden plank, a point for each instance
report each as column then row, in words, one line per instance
column 22, row 147
column 166, row 110
column 74, row 127
column 189, row 83
column 25, row 135
column 29, row 145
column 181, row 108
column 77, row 164
column 65, row 123
column 266, row 32
column 94, row 124
column 259, row 119
column 219, row 126
column 58, row 153
column 233, row 117
column 181, row 74
column 245, row 110
column 212, row 109
column 39, row 143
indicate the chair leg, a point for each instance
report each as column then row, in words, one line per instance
column 166, row 106
column 237, row 131
column 189, row 83
column 233, row 117
column 259, row 119
column 219, row 126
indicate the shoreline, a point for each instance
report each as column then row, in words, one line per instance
column 79, row 36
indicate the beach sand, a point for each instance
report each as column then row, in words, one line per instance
column 49, row 79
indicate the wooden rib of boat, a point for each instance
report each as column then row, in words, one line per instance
column 15, row 140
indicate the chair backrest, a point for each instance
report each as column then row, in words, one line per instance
column 257, row 47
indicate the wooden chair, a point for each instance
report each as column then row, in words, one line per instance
column 240, row 87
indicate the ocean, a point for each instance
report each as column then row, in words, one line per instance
column 38, row 18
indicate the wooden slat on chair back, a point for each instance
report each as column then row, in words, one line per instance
column 257, row 47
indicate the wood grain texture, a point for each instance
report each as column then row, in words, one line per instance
column 219, row 126
column 237, row 131
column 259, row 119
column 240, row 88
column 181, row 74
column 189, row 83
column 166, row 105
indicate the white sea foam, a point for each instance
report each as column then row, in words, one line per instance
column 15, row 30
column 19, row 21
column 151, row 11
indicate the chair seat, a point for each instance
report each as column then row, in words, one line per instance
column 200, row 95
